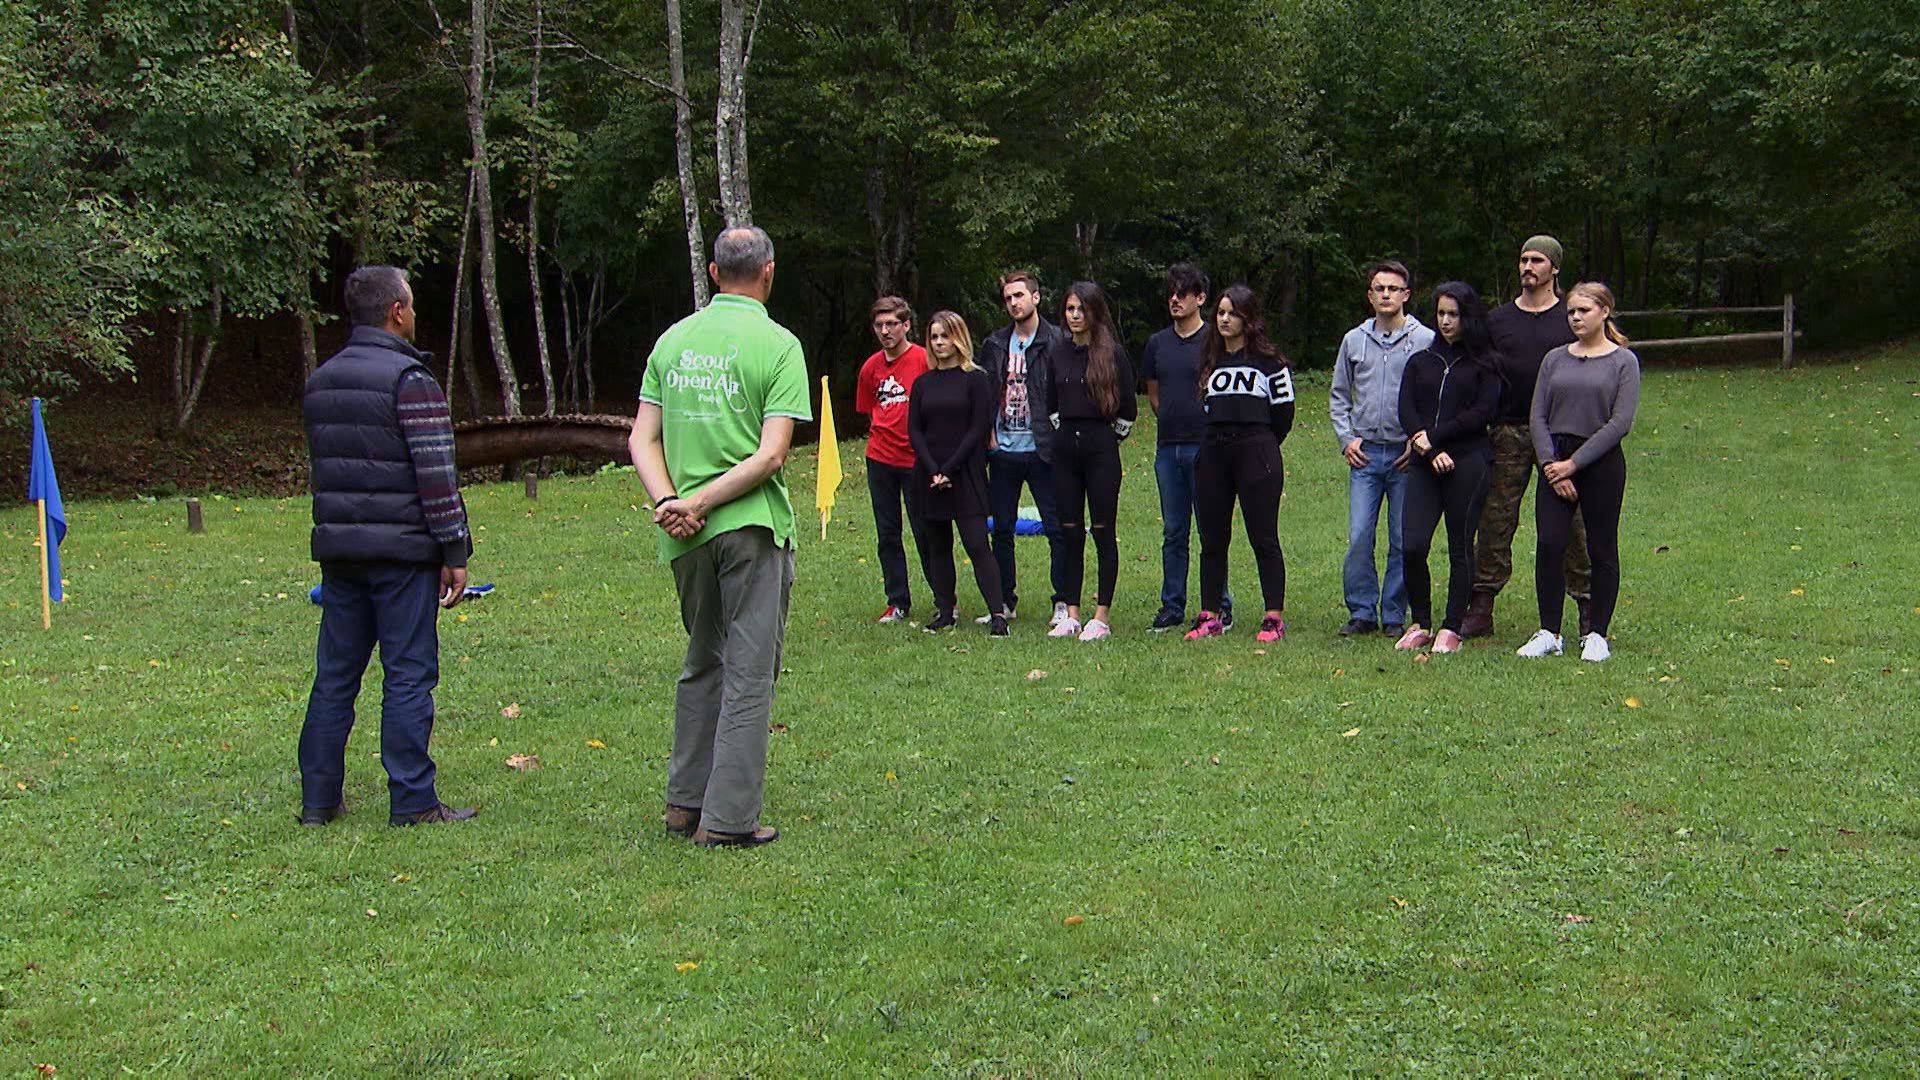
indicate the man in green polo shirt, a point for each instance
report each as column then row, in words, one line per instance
column 722, row 391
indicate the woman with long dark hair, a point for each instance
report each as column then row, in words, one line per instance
column 1247, row 392
column 1583, row 405
column 950, row 422
column 1449, row 393
column 1095, row 409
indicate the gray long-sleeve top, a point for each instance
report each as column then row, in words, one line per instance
column 1364, row 402
column 1593, row 397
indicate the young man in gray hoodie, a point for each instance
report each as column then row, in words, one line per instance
column 1365, row 406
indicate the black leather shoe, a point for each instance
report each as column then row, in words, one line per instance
column 1393, row 630
column 1356, row 627
column 320, row 815
column 434, row 816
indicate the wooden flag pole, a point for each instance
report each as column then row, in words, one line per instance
column 46, row 578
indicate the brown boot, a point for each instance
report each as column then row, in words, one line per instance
column 1585, row 607
column 1478, row 621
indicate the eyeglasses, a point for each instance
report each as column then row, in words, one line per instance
column 1387, row 290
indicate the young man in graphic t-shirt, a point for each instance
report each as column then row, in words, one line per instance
column 882, row 392
column 1171, row 366
column 1016, row 358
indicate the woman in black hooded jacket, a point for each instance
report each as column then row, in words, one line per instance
column 1448, row 396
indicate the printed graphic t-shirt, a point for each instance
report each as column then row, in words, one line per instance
column 717, row 375
column 1013, row 428
column 882, row 392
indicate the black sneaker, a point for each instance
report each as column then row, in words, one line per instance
column 941, row 621
column 1356, row 627
column 1226, row 618
column 1393, row 630
column 997, row 627
column 1167, row 620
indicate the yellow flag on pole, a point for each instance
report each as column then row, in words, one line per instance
column 828, row 481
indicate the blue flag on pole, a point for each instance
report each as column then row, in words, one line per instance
column 43, row 485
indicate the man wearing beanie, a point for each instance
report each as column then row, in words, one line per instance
column 1524, row 331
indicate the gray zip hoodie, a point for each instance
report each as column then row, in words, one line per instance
column 1365, row 399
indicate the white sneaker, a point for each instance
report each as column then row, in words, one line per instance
column 1095, row 630
column 1065, row 628
column 1594, row 648
column 988, row 617
column 1059, row 613
column 1542, row 643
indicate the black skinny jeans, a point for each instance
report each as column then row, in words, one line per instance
column 1457, row 497
column 1602, row 488
column 890, row 487
column 941, row 576
column 1244, row 465
column 1086, row 484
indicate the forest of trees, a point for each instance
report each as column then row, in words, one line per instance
column 551, row 170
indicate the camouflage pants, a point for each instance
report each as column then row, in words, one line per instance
column 1513, row 466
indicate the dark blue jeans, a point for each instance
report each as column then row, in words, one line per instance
column 1173, row 472
column 398, row 607
column 1006, row 472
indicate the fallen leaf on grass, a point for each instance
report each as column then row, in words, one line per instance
column 777, row 729
column 1397, row 902
column 1339, row 671
column 45, row 1069
column 523, row 762
column 372, row 914
column 1633, row 703
column 1828, row 660
column 891, row 778
column 1572, row 918
column 1344, row 705
column 1737, row 599
column 596, row 744
column 1783, row 661
column 511, row 712
column 1073, row 920
column 685, row 966
column 1421, row 658
column 1350, row 733
column 1796, row 592
column 1259, row 652
column 493, row 742
column 402, row 879
column 1036, row 674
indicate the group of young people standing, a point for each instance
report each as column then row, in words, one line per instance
column 1438, row 425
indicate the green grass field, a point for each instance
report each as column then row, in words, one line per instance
column 1157, row 857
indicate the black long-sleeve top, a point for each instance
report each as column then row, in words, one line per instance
column 1071, row 401
column 1450, row 397
column 950, row 421
column 1244, row 392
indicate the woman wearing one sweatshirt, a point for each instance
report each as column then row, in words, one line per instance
column 1448, row 396
column 1583, row 406
column 1247, row 393
column 949, row 422
column 1094, row 409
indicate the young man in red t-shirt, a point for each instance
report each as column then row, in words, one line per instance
column 882, row 392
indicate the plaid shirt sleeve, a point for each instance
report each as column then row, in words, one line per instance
column 427, row 424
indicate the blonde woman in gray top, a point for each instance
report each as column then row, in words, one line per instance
column 1583, row 405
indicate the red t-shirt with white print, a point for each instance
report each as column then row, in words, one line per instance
column 882, row 393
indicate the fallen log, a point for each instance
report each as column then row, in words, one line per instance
column 502, row 440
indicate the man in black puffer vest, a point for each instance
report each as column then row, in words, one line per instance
column 390, row 535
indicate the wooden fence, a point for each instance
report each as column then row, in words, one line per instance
column 1785, row 335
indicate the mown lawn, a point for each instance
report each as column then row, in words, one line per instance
column 1157, row 857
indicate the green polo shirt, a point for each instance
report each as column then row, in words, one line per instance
column 717, row 375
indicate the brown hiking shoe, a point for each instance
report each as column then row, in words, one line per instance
column 765, row 834
column 1585, row 607
column 1478, row 621
column 682, row 820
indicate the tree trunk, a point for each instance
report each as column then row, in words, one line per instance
column 483, row 204
column 730, row 114
column 1647, row 243
column 683, row 155
column 1699, row 264
column 535, row 182
column 190, row 365
column 462, row 308
column 1084, row 235
column 302, row 312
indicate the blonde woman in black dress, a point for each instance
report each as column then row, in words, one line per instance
column 950, row 421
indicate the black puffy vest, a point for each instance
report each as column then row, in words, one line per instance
column 366, row 503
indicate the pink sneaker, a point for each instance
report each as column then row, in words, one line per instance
column 1272, row 628
column 1416, row 637
column 1065, row 628
column 1448, row 641
column 1206, row 626
column 1095, row 630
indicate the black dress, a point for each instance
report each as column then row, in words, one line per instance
column 949, row 420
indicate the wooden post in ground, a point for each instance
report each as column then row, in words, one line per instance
column 1786, row 332
column 196, row 520
column 46, row 559
column 533, row 482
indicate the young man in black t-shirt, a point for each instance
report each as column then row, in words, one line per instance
column 1171, row 365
